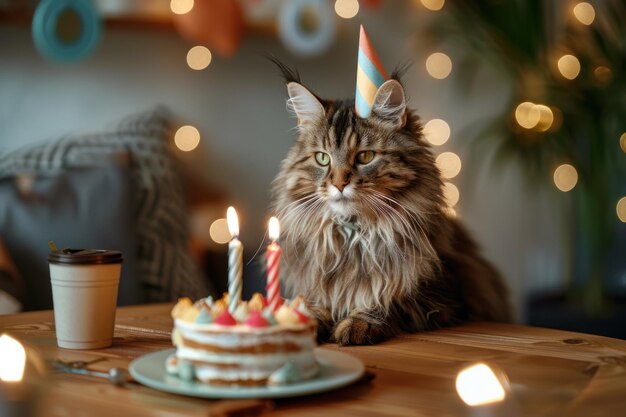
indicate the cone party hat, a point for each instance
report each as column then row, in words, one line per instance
column 370, row 75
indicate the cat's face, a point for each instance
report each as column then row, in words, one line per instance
column 355, row 167
column 351, row 163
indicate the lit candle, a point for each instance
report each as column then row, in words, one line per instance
column 273, row 269
column 235, row 261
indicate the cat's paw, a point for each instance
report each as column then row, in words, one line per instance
column 324, row 324
column 358, row 331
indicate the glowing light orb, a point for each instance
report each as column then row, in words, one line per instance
column 565, row 177
column 438, row 65
column 584, row 12
column 187, row 138
column 437, row 131
column 479, row 385
column 569, row 66
column 199, row 57
column 449, row 164
column 347, row 9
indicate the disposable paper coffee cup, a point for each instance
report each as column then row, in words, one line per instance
column 84, row 293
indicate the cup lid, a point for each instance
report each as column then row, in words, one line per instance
column 85, row 256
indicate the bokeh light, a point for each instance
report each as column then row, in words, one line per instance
column 449, row 164
column 569, row 66
column 602, row 74
column 187, row 138
column 546, row 117
column 199, row 57
column 450, row 212
column 12, row 359
column 438, row 65
column 621, row 209
column 585, row 13
column 433, row 5
column 181, row 6
column 437, row 131
column 451, row 194
column 565, row 177
column 479, row 385
column 347, row 9
column 622, row 142
column 219, row 231
column 527, row 115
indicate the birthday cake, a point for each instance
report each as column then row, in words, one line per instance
column 252, row 346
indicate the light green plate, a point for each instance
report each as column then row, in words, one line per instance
column 337, row 370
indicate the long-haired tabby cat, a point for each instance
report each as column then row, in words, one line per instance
column 367, row 239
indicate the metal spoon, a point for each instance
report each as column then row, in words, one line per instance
column 116, row 376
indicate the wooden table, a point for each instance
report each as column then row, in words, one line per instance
column 551, row 372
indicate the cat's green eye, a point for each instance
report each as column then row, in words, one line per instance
column 365, row 157
column 322, row 158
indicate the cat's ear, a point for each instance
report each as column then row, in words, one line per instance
column 304, row 104
column 390, row 104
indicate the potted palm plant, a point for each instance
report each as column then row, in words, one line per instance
column 564, row 123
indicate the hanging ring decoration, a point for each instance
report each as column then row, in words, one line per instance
column 66, row 30
column 306, row 27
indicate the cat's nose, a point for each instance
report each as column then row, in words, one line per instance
column 341, row 185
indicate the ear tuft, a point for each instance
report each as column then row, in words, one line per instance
column 304, row 104
column 390, row 104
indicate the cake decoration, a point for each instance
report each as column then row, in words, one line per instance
column 204, row 317
column 256, row 319
column 285, row 374
column 241, row 312
column 225, row 319
column 257, row 302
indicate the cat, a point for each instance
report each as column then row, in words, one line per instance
column 367, row 238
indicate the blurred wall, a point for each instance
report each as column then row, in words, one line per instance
column 238, row 104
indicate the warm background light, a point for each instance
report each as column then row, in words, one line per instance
column 12, row 359
column 433, row 5
column 187, row 138
column 436, row 131
column 219, row 231
column 565, row 177
column 479, row 385
column 347, row 8
column 438, row 65
column 450, row 194
column 621, row 209
column 181, row 6
column 585, row 13
column 545, row 117
column 199, row 57
column 449, row 164
column 622, row 142
column 450, row 212
column 527, row 115
column 569, row 66
column 603, row 74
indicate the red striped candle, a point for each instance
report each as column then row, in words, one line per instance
column 273, row 268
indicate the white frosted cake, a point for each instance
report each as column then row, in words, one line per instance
column 252, row 346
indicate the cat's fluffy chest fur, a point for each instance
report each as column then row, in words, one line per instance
column 367, row 239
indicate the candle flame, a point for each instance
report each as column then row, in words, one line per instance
column 12, row 359
column 274, row 228
column 233, row 221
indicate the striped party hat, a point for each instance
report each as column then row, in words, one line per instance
column 370, row 75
